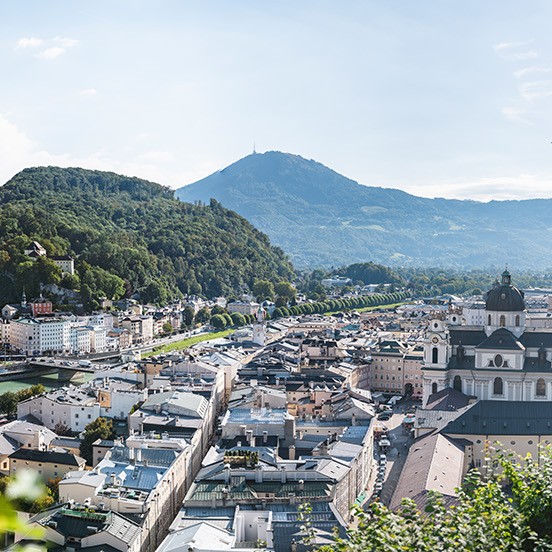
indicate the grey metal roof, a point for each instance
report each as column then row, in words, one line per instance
column 47, row 456
column 447, row 399
column 532, row 364
column 504, row 418
column 466, row 336
column 502, row 339
column 537, row 339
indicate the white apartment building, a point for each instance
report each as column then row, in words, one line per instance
column 32, row 335
column 40, row 335
column 71, row 407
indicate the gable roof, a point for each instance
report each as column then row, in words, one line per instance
column 501, row 339
column 434, row 463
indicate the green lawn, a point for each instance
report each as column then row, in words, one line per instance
column 185, row 343
column 367, row 309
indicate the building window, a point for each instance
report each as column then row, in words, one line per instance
column 457, row 384
column 435, row 355
column 498, row 360
column 517, row 319
column 541, row 388
column 433, row 387
column 489, row 320
column 502, row 321
column 498, row 387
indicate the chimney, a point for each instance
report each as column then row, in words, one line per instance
column 249, row 437
column 301, row 484
column 258, row 474
column 265, row 437
column 292, row 452
column 243, row 429
column 283, row 474
column 138, row 455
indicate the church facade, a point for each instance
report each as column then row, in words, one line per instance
column 502, row 360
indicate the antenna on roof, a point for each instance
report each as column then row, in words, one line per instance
column 254, row 150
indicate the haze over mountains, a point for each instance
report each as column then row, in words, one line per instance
column 321, row 218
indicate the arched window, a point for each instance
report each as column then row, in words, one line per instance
column 541, row 388
column 489, row 320
column 502, row 320
column 433, row 388
column 498, row 387
column 435, row 355
column 517, row 319
column 457, row 383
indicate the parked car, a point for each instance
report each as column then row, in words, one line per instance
column 386, row 415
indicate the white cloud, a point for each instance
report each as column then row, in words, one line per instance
column 88, row 92
column 531, row 54
column 515, row 50
column 30, row 42
column 51, row 53
column 18, row 151
column 65, row 42
column 503, row 46
column 522, row 186
column 516, row 115
column 536, row 90
column 52, row 48
column 531, row 71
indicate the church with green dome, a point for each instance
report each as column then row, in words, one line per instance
column 502, row 360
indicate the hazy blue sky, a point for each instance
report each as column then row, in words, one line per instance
column 438, row 98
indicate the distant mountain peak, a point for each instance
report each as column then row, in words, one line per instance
column 322, row 218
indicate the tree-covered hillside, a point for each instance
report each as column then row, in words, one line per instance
column 127, row 235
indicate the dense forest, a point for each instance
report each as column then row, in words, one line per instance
column 127, row 236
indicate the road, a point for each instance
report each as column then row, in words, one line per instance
column 396, row 455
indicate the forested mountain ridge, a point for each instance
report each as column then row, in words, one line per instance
column 321, row 218
column 127, row 235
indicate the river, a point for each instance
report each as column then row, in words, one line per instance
column 49, row 381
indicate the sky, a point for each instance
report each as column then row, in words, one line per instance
column 440, row 98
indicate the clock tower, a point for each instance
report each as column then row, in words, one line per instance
column 436, row 357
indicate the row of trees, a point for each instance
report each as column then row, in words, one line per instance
column 335, row 305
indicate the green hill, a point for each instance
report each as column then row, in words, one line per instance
column 127, row 236
column 321, row 218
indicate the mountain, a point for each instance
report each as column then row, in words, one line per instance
column 127, row 235
column 321, row 218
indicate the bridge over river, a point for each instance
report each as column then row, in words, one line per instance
column 65, row 369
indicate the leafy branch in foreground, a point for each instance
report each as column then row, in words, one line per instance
column 510, row 510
